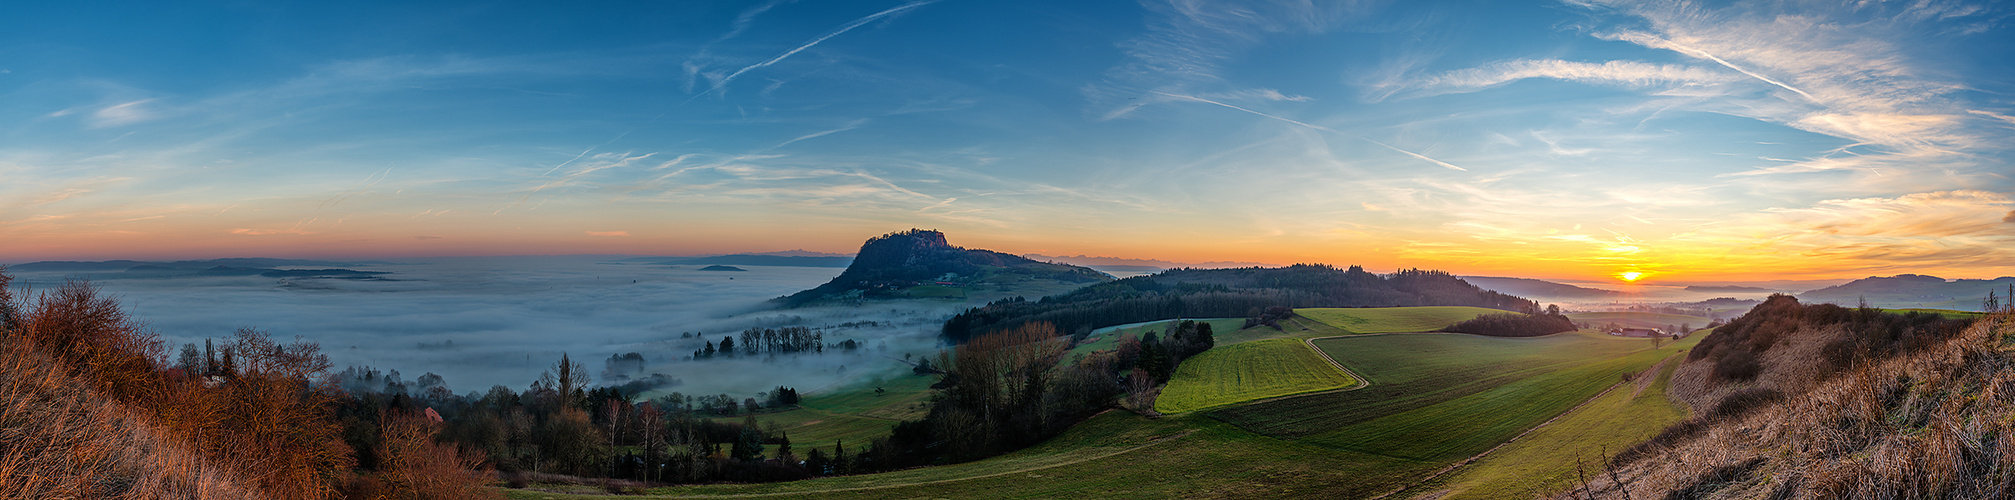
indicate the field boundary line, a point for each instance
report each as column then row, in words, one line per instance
column 1474, row 458
column 1150, row 442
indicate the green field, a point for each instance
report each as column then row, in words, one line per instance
column 1249, row 371
column 854, row 413
column 1114, row 455
column 1393, row 319
column 1638, row 319
column 1432, row 400
column 1444, row 397
column 1544, row 462
column 1947, row 313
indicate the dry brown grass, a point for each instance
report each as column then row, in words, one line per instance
column 59, row 438
column 1936, row 423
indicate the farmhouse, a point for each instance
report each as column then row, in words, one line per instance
column 1636, row 332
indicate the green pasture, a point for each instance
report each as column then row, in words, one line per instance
column 1433, row 399
column 1114, row 455
column 1947, row 313
column 1544, row 462
column 1638, row 319
column 1248, row 371
column 854, row 413
column 1393, row 319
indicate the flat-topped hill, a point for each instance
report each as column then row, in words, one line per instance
column 922, row 263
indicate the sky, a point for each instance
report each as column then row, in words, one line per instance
column 1581, row 139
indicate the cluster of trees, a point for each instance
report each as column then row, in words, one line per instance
column 1533, row 322
column 786, row 340
column 255, row 412
column 1993, row 303
column 1863, row 332
column 1220, row 293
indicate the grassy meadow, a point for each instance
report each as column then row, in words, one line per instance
column 1246, row 372
column 1393, row 319
column 1545, row 460
column 1236, row 427
column 854, row 413
column 1638, row 319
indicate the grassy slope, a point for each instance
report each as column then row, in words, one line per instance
column 1434, row 399
column 1114, row 455
column 854, row 413
column 1638, row 319
column 1248, row 371
column 1545, row 461
column 1393, row 319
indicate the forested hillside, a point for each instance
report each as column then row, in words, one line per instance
column 1227, row 293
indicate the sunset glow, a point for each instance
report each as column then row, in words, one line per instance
column 1493, row 138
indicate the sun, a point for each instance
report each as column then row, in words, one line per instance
column 1630, row 275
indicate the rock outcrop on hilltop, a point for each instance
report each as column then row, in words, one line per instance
column 890, row 264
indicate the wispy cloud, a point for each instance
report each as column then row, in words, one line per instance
column 1187, row 44
column 730, row 78
column 1315, row 127
column 1632, row 74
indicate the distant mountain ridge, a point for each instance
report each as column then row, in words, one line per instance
column 1912, row 290
column 1528, row 287
column 889, row 265
column 204, row 268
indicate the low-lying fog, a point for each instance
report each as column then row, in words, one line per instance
column 479, row 322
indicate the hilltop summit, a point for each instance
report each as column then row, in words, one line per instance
column 923, row 263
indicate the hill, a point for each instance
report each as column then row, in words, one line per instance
column 1528, row 287
column 1227, row 293
column 892, row 265
column 1912, row 290
column 1818, row 401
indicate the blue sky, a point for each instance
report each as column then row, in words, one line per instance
column 1557, row 139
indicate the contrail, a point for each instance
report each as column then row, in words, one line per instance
column 1317, row 127
column 815, row 41
column 741, row 24
column 1675, row 46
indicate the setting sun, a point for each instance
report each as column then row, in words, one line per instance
column 1629, row 275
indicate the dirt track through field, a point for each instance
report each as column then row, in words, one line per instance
column 1653, row 373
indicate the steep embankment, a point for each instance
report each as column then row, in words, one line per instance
column 65, row 440
column 1818, row 401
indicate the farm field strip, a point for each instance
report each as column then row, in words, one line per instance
column 1543, row 462
column 1250, row 371
column 1393, row 319
column 1461, row 427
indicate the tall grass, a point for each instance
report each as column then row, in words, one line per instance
column 88, row 409
column 59, row 438
column 1932, row 423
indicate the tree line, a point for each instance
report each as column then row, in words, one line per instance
column 1532, row 322
column 1222, row 293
